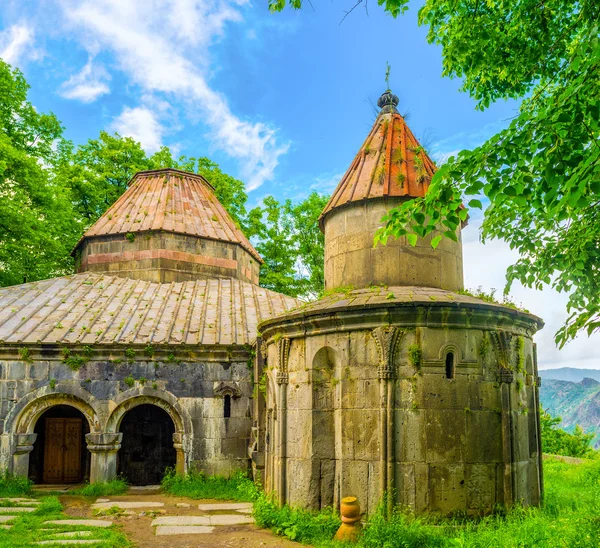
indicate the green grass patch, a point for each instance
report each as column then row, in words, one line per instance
column 102, row 489
column 27, row 528
column 569, row 518
column 14, row 486
column 197, row 485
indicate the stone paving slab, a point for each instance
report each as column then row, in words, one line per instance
column 5, row 526
column 224, row 519
column 70, row 541
column 18, row 499
column 225, row 506
column 71, row 534
column 184, row 530
column 102, row 500
column 7, row 509
column 82, row 522
column 125, row 505
column 4, row 519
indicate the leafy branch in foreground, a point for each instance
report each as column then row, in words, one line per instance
column 541, row 175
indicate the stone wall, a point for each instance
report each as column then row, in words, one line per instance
column 352, row 261
column 166, row 257
column 190, row 385
column 362, row 411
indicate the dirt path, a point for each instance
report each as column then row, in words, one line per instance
column 137, row 522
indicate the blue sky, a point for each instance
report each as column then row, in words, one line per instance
column 282, row 101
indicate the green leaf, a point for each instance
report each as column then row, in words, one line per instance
column 412, row 239
column 435, row 241
column 475, row 204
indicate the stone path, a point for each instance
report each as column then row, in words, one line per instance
column 55, row 535
column 153, row 520
column 11, row 507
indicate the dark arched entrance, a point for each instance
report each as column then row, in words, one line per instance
column 147, row 446
column 60, row 453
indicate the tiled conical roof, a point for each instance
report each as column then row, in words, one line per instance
column 172, row 201
column 390, row 163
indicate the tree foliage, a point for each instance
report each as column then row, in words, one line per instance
column 538, row 180
column 51, row 191
column 557, row 441
column 36, row 221
column 290, row 242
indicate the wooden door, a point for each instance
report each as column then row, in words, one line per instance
column 62, row 450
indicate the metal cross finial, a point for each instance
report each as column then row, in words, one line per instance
column 387, row 75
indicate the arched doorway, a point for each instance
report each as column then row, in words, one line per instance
column 60, row 453
column 147, row 446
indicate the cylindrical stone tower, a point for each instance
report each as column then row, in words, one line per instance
column 394, row 382
column 390, row 168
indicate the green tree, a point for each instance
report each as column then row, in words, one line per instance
column 309, row 242
column 560, row 442
column 272, row 227
column 36, row 220
column 538, row 180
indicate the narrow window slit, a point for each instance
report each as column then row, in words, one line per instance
column 450, row 365
column 227, row 406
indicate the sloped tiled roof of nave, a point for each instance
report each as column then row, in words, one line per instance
column 173, row 201
column 98, row 309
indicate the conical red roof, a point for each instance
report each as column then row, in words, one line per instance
column 390, row 163
column 172, row 201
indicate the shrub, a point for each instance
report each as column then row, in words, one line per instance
column 14, row 486
column 560, row 442
column 197, row 485
column 102, row 489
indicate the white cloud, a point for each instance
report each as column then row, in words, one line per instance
column 16, row 44
column 140, row 124
column 166, row 51
column 486, row 265
column 327, row 182
column 87, row 85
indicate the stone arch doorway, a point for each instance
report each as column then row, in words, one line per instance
column 59, row 453
column 147, row 447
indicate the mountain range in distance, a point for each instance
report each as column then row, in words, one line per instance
column 574, row 395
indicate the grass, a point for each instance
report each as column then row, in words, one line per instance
column 102, row 489
column 569, row 518
column 27, row 528
column 197, row 485
column 14, row 486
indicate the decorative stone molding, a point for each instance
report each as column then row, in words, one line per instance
column 228, row 389
column 104, row 442
column 263, row 349
column 283, row 353
column 502, row 341
column 387, row 339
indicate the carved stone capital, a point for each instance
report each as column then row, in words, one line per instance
column 104, row 442
column 25, row 443
column 502, row 341
column 283, row 377
column 387, row 338
column 505, row 375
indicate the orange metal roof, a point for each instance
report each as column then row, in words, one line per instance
column 390, row 163
column 173, row 201
column 98, row 309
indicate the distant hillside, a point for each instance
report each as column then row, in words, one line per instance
column 570, row 374
column 576, row 402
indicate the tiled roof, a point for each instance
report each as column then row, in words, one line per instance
column 173, row 201
column 97, row 309
column 396, row 296
column 390, row 163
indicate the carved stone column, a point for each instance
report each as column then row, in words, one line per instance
column 104, row 448
column 24, row 446
column 387, row 339
column 180, row 453
column 283, row 352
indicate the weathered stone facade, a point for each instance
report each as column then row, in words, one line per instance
column 394, row 382
column 140, row 361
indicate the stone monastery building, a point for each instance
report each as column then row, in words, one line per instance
column 163, row 350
